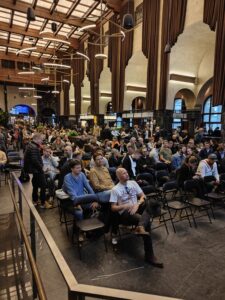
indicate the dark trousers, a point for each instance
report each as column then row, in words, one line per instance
column 38, row 181
column 141, row 218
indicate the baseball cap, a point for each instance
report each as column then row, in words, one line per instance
column 212, row 156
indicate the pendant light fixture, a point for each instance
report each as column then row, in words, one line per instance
column 54, row 27
column 101, row 55
column 128, row 20
column 30, row 14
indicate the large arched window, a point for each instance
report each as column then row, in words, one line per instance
column 211, row 115
column 178, row 108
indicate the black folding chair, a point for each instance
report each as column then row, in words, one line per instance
column 178, row 210
column 199, row 205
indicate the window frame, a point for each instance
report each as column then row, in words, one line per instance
column 177, row 122
column 208, row 114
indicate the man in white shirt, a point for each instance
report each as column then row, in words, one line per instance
column 50, row 163
column 131, row 211
column 208, row 167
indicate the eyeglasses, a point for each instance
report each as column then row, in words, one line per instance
column 127, row 189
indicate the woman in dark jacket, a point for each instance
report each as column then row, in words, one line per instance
column 187, row 170
column 33, row 164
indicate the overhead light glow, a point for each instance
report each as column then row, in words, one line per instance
column 123, row 34
column 55, row 92
column 86, row 27
column 37, row 97
column 66, row 81
column 34, row 104
column 83, row 55
column 26, row 73
column 45, row 79
column 101, row 56
column 36, row 68
column 25, row 50
column 26, row 88
column 45, row 31
column 51, row 39
column 55, row 65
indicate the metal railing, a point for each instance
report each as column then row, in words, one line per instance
column 76, row 291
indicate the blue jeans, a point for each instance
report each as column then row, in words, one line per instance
column 85, row 202
column 104, row 196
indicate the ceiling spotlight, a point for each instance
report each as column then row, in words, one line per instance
column 30, row 14
column 54, row 27
column 38, row 97
column 128, row 21
column 55, row 92
column 101, row 56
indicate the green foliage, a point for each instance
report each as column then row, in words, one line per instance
column 4, row 118
column 72, row 133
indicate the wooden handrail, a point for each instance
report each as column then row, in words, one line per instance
column 35, row 272
column 74, row 287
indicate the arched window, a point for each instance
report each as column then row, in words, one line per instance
column 138, row 104
column 211, row 115
column 178, row 108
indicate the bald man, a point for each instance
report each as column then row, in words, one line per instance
column 131, row 211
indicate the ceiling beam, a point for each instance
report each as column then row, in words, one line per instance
column 8, row 75
column 106, row 18
column 73, row 6
column 33, row 33
column 44, row 13
column 17, row 45
column 23, row 58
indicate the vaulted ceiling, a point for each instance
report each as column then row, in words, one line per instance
column 17, row 32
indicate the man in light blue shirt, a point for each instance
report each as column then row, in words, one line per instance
column 178, row 158
column 79, row 190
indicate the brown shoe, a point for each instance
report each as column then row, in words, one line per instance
column 154, row 262
column 81, row 237
column 141, row 230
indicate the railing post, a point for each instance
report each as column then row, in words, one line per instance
column 13, row 185
column 75, row 296
column 33, row 248
column 20, row 202
column 20, row 210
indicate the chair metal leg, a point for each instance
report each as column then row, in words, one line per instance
column 65, row 220
column 187, row 215
column 211, row 208
column 105, row 241
column 193, row 217
column 171, row 219
column 79, row 245
column 207, row 212
column 164, row 221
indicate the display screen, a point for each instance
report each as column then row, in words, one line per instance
column 20, row 109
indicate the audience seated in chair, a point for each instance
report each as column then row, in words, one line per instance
column 129, row 211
